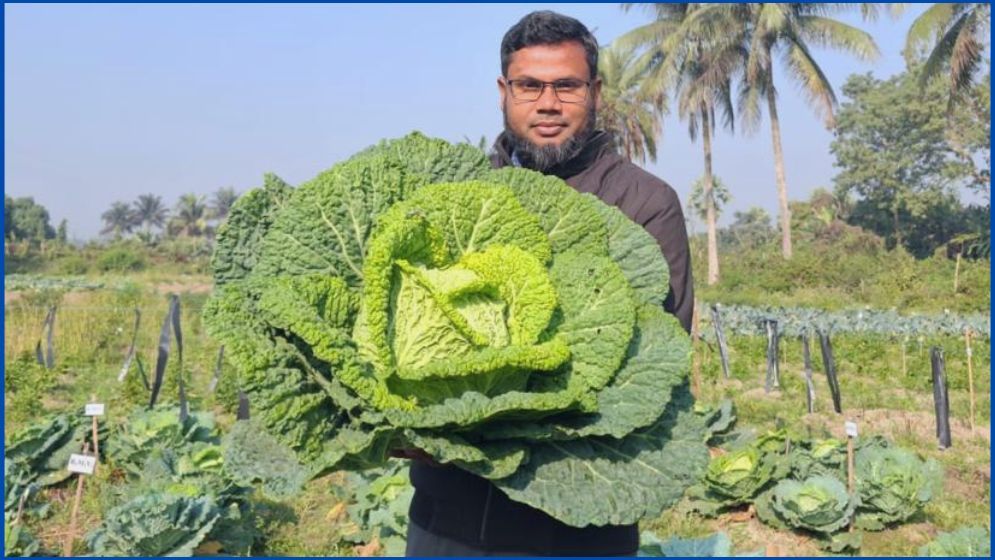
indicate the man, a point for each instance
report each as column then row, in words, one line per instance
column 549, row 91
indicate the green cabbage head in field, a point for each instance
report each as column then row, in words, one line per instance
column 497, row 319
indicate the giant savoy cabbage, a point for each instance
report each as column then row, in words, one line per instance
column 501, row 321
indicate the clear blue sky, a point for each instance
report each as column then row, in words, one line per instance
column 107, row 102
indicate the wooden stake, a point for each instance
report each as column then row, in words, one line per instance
column 905, row 369
column 957, row 271
column 720, row 338
column 809, row 384
column 970, row 373
column 96, row 439
column 941, row 396
column 851, row 477
column 67, row 548
column 695, row 364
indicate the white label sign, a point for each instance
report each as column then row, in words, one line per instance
column 94, row 409
column 851, row 429
column 83, row 464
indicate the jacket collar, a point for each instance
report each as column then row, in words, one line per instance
column 597, row 145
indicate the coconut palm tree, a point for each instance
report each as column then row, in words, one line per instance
column 766, row 31
column 221, row 202
column 118, row 219
column 955, row 36
column 704, row 86
column 627, row 111
column 696, row 59
column 790, row 31
column 150, row 212
column 190, row 216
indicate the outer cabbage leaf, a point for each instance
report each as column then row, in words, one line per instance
column 155, row 525
column 240, row 236
column 638, row 255
column 603, row 480
column 41, row 450
column 655, row 362
column 381, row 498
column 489, row 460
column 436, row 160
column 252, row 455
column 17, row 539
column 966, row 541
column 571, row 222
column 299, row 401
column 715, row 545
column 325, row 224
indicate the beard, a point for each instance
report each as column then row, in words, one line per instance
column 543, row 158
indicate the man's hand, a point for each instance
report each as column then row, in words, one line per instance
column 415, row 454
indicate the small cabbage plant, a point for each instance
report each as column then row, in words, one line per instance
column 819, row 504
column 893, row 484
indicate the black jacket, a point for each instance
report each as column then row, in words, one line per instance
column 453, row 503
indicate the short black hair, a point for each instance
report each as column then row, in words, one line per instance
column 548, row 28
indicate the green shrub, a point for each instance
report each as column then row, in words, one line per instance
column 121, row 259
column 25, row 384
column 72, row 265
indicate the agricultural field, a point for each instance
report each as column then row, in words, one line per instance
column 413, row 298
column 219, row 362
column 353, row 514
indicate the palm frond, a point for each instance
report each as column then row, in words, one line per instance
column 966, row 56
column 942, row 53
column 813, row 81
column 828, row 32
column 926, row 29
column 748, row 105
column 870, row 11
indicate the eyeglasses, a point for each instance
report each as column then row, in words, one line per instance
column 567, row 91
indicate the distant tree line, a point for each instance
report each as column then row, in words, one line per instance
column 148, row 218
column 27, row 221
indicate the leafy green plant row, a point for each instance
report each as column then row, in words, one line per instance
column 798, row 321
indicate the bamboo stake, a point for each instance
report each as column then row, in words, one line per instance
column 970, row 373
column 67, row 548
column 851, row 477
column 96, row 439
column 721, row 340
column 809, row 384
column 957, row 271
column 905, row 369
column 695, row 364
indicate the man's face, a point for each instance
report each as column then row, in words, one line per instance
column 549, row 124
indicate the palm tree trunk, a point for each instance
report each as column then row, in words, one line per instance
column 782, row 183
column 898, row 228
column 713, row 246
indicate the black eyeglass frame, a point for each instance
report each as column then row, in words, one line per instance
column 509, row 84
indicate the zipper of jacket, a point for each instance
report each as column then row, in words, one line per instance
column 487, row 508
